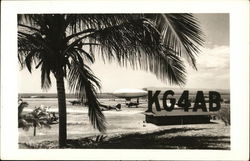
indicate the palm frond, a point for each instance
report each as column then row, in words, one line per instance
column 85, row 84
column 28, row 53
column 45, row 76
column 29, row 27
column 21, row 106
column 138, row 44
column 80, row 22
column 32, row 49
column 84, row 53
column 79, row 33
column 176, row 72
column 35, row 40
column 79, row 53
column 181, row 32
column 28, row 19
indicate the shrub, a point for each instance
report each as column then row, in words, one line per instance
column 224, row 115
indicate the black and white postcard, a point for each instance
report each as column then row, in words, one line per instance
column 124, row 80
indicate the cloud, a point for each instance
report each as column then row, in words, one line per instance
column 213, row 69
column 215, row 57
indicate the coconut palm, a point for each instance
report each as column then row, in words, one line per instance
column 64, row 45
column 37, row 118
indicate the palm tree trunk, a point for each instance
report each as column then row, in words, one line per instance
column 62, row 110
column 34, row 134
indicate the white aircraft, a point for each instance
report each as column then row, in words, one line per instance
column 128, row 94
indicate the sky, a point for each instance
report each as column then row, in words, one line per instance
column 212, row 64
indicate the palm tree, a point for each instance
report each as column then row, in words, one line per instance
column 37, row 118
column 66, row 44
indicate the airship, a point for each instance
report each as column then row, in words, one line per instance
column 128, row 94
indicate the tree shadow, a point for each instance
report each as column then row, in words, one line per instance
column 164, row 139
column 156, row 140
column 178, row 142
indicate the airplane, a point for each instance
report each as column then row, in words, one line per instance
column 33, row 96
column 37, row 96
column 128, row 94
column 75, row 102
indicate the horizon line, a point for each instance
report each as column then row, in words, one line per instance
column 197, row 89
